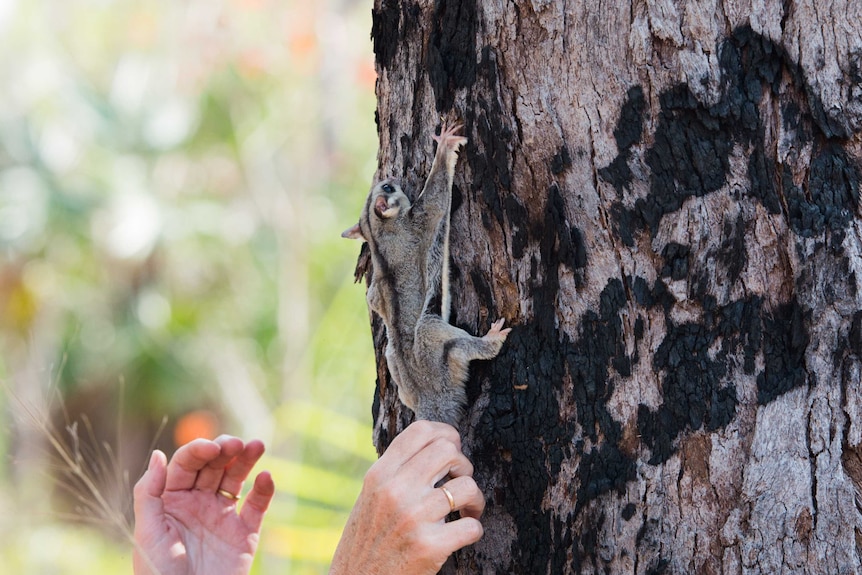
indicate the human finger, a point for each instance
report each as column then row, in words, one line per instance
column 210, row 476
column 465, row 497
column 414, row 439
column 257, row 501
column 459, row 533
column 186, row 463
column 435, row 461
column 149, row 488
column 238, row 469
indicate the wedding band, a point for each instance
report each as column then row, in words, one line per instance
column 450, row 498
column 228, row 494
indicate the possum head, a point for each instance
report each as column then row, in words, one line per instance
column 385, row 203
column 388, row 200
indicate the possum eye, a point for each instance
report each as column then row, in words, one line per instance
column 387, row 188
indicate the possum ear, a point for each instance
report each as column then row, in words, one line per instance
column 353, row 233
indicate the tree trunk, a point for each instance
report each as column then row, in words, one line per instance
column 662, row 197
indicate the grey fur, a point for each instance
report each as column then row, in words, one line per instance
column 409, row 243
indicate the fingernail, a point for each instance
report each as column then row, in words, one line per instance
column 155, row 457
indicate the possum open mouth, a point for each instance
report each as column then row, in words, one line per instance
column 381, row 207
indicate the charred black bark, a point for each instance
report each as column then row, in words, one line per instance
column 690, row 156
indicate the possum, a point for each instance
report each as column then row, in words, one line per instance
column 409, row 248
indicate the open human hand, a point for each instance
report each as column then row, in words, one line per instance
column 398, row 524
column 186, row 520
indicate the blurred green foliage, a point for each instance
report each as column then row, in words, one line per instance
column 174, row 177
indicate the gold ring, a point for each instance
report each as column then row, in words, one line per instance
column 228, row 494
column 450, row 498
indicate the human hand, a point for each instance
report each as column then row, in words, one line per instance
column 398, row 523
column 185, row 525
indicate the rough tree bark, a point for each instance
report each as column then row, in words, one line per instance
column 662, row 197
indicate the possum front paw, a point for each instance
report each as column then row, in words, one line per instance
column 496, row 333
column 449, row 139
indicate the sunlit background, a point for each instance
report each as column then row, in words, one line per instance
column 174, row 176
